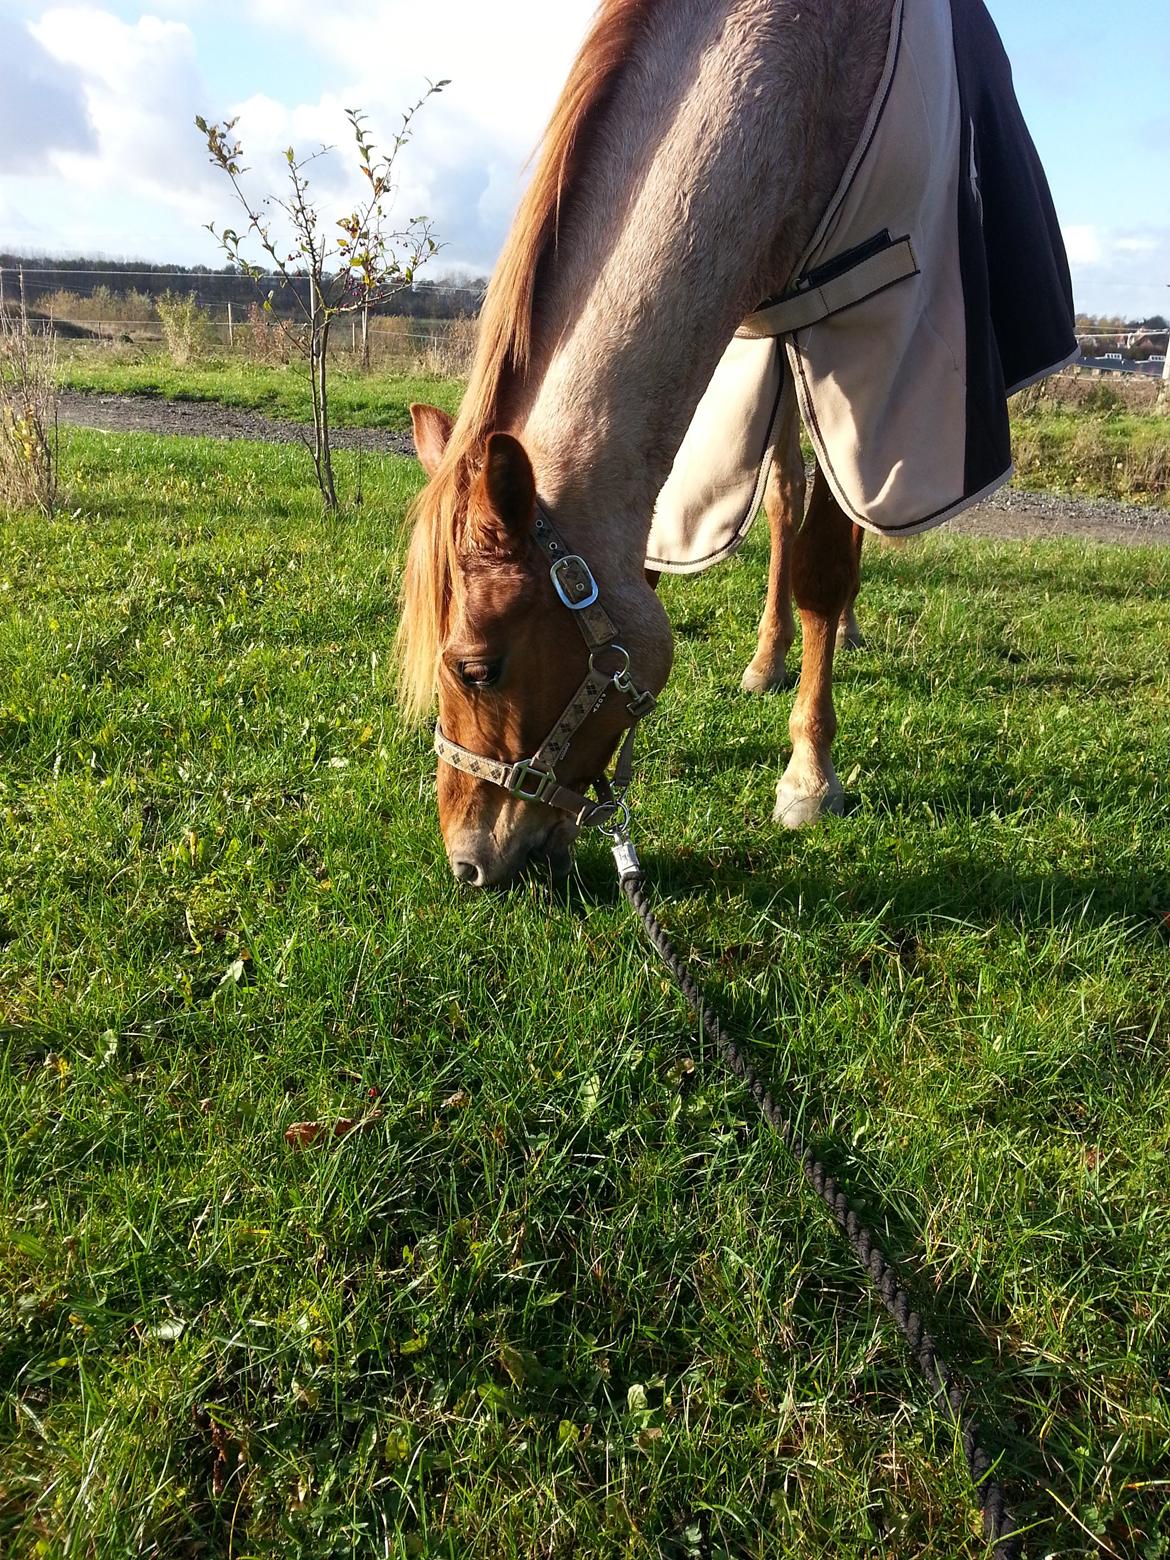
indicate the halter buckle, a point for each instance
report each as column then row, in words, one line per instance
column 523, row 773
column 569, row 593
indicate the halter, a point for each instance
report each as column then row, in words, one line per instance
column 534, row 779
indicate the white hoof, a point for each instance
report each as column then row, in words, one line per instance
column 850, row 639
column 767, row 679
column 796, row 809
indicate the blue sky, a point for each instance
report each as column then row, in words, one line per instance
column 1093, row 79
column 97, row 153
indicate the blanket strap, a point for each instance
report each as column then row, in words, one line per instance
column 820, row 295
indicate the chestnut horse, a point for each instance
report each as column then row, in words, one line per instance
column 784, row 502
column 692, row 152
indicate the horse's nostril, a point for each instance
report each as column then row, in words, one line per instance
column 468, row 872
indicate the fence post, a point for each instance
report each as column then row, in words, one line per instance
column 366, row 337
column 231, row 332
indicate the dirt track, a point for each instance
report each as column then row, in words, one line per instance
column 1010, row 516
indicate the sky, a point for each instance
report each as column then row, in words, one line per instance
column 99, row 155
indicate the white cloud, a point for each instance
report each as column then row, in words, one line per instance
column 138, row 84
column 142, row 88
column 1136, row 245
column 1085, row 244
column 42, row 103
column 464, row 166
column 98, row 149
column 1120, row 271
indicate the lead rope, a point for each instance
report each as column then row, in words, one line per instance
column 999, row 1525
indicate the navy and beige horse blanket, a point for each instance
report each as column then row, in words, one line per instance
column 936, row 285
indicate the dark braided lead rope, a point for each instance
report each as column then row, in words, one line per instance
column 998, row 1524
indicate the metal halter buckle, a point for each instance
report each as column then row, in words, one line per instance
column 524, row 771
column 573, row 602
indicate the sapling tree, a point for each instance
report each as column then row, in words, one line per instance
column 345, row 268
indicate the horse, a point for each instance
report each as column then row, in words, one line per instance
column 683, row 176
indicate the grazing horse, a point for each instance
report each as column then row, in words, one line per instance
column 684, row 177
column 784, row 501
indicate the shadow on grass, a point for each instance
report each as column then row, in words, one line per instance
column 961, row 887
column 1016, row 1392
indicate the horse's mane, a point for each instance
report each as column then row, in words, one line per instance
column 504, row 346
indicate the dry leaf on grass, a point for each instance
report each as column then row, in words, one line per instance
column 303, row 1134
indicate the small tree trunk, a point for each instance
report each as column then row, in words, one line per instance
column 322, row 455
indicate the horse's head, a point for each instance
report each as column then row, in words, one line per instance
column 484, row 625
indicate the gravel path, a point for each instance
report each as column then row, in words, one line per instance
column 1010, row 516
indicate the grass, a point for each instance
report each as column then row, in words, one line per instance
column 1071, row 435
column 1098, row 453
column 560, row 1298
column 356, row 400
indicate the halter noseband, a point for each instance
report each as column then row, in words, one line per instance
column 534, row 779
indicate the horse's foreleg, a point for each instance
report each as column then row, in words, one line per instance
column 824, row 577
column 784, row 503
column 849, row 635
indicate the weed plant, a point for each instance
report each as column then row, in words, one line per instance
column 28, row 414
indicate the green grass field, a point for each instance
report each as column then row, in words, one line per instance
column 559, row 1299
column 1092, row 445
column 357, row 400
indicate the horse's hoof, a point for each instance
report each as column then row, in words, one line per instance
column 797, row 810
column 767, row 679
column 850, row 639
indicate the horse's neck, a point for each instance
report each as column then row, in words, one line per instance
column 703, row 183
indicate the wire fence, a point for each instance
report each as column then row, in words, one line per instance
column 443, row 348
column 117, row 296
column 402, row 338
column 441, row 345
column 347, row 333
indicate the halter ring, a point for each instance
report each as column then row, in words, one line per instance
column 620, row 678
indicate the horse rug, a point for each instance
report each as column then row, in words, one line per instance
column 935, row 286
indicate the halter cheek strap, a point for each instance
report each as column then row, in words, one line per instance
column 534, row 779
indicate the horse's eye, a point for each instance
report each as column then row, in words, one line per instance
column 479, row 674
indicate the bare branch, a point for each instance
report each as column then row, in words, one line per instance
column 359, row 269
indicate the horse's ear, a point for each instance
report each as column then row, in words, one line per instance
column 432, row 429
column 503, row 501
